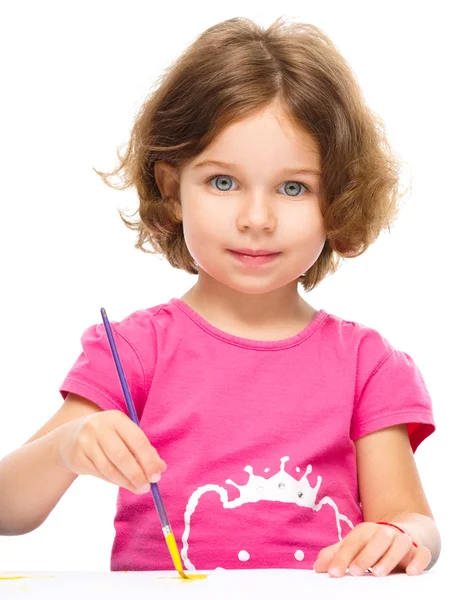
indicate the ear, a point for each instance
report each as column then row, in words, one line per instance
column 168, row 181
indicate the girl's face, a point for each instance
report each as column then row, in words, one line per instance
column 260, row 202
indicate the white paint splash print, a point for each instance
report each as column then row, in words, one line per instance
column 280, row 487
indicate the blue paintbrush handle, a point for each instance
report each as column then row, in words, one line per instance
column 132, row 413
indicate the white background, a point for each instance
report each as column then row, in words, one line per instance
column 73, row 76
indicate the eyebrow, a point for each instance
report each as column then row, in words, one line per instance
column 287, row 171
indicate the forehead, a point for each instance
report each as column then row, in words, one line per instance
column 200, row 164
column 267, row 138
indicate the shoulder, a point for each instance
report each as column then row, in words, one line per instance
column 149, row 329
column 138, row 329
column 365, row 343
column 145, row 321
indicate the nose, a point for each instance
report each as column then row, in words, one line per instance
column 257, row 212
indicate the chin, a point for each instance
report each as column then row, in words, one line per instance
column 251, row 284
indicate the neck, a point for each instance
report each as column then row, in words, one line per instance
column 217, row 302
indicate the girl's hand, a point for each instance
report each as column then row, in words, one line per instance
column 109, row 445
column 381, row 547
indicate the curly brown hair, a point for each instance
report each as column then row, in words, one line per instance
column 229, row 72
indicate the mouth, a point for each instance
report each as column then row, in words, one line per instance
column 254, row 259
column 251, row 252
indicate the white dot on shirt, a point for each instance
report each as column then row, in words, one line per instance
column 299, row 555
column 243, row 555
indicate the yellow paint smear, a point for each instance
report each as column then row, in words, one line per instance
column 27, row 577
column 171, row 543
column 194, row 576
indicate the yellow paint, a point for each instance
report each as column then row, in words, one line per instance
column 171, row 543
column 27, row 577
column 188, row 577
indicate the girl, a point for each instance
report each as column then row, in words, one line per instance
column 283, row 435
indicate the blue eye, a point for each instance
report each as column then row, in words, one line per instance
column 224, row 178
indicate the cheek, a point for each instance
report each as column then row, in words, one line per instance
column 307, row 230
column 202, row 226
column 204, row 230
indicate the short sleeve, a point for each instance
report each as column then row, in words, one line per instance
column 394, row 393
column 94, row 374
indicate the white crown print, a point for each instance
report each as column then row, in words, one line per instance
column 279, row 487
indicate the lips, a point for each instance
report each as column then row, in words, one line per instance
column 254, row 260
column 250, row 252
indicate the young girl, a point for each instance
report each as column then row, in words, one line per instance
column 282, row 435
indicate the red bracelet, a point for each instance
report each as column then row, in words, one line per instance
column 396, row 526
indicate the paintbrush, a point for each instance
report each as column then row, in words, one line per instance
column 167, row 530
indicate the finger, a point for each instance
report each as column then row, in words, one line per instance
column 347, row 553
column 401, row 546
column 373, row 550
column 420, row 561
column 123, row 459
column 325, row 556
column 349, row 548
column 86, row 465
column 141, row 448
column 100, row 466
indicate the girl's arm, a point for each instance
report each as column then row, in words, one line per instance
column 390, row 487
column 390, row 491
column 32, row 480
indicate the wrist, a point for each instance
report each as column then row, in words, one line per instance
column 399, row 529
column 59, row 438
column 421, row 528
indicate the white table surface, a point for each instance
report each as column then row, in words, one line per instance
column 256, row 584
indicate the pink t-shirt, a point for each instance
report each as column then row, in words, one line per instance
column 258, row 436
